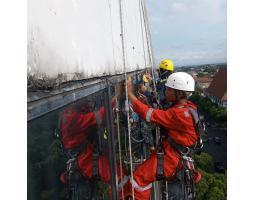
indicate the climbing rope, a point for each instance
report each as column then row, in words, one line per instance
column 141, row 22
column 119, row 146
column 152, row 64
column 126, row 103
column 110, row 15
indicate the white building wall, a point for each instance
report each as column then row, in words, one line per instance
column 81, row 36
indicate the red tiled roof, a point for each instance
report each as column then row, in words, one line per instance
column 224, row 98
column 204, row 79
column 218, row 86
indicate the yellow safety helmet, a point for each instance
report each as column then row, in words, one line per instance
column 167, row 65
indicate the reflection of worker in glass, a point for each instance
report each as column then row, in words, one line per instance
column 83, row 140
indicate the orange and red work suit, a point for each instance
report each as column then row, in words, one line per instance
column 179, row 125
column 75, row 128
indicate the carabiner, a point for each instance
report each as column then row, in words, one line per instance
column 187, row 152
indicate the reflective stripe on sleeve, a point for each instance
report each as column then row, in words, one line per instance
column 123, row 181
column 148, row 114
column 140, row 188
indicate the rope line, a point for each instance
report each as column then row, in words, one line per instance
column 141, row 23
column 152, row 64
column 127, row 104
column 119, row 146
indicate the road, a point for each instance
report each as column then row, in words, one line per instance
column 217, row 150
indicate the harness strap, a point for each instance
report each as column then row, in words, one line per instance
column 194, row 114
column 160, row 167
column 180, row 148
column 184, row 150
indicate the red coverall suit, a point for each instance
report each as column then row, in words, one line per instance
column 179, row 124
column 75, row 128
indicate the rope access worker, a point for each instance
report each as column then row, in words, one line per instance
column 79, row 130
column 166, row 68
column 181, row 135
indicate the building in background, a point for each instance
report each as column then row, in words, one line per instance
column 217, row 91
column 203, row 82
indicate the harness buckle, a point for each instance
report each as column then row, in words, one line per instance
column 189, row 162
column 186, row 152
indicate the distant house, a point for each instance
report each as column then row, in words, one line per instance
column 203, row 82
column 217, row 91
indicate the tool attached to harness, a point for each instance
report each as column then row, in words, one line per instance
column 199, row 125
column 72, row 172
column 160, row 167
column 95, row 173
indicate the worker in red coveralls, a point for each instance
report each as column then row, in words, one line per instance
column 179, row 125
column 79, row 129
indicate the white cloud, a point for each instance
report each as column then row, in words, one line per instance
column 189, row 30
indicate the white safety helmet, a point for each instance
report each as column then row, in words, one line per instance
column 181, row 81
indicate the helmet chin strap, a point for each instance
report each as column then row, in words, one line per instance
column 177, row 96
column 161, row 74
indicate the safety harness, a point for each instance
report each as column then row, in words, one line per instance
column 185, row 168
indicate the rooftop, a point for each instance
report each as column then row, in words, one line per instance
column 218, row 86
column 204, row 79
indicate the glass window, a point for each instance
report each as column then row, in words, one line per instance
column 69, row 149
column 84, row 147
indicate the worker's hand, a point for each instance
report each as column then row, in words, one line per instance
column 147, row 78
column 130, row 89
column 143, row 88
column 143, row 98
column 118, row 90
column 130, row 86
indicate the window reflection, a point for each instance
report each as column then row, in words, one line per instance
column 76, row 158
column 71, row 149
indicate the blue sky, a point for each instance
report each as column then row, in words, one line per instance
column 188, row 31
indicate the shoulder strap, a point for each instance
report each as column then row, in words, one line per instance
column 194, row 114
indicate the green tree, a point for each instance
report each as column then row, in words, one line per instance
column 204, row 161
column 215, row 193
column 204, row 103
column 212, row 186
